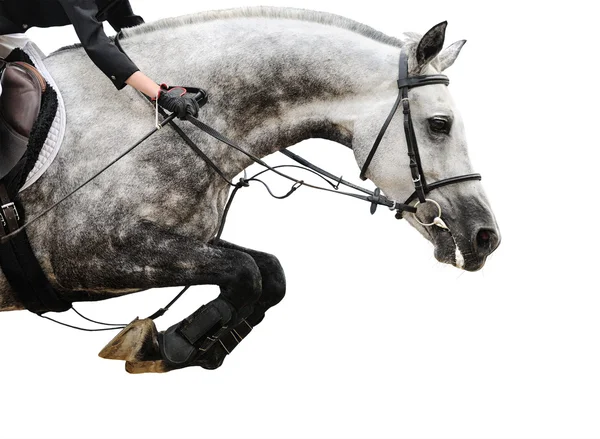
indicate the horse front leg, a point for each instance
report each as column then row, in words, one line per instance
column 240, row 283
column 179, row 262
column 273, row 291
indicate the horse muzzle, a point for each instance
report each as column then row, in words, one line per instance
column 464, row 233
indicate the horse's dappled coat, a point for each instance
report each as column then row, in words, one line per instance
column 275, row 77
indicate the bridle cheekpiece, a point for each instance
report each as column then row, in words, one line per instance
column 422, row 188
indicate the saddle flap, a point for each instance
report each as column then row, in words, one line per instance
column 22, row 88
column 20, row 103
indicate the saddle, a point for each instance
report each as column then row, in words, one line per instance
column 20, row 104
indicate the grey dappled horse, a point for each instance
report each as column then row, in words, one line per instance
column 275, row 77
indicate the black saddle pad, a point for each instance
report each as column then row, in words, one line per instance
column 49, row 106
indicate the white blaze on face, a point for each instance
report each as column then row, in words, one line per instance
column 460, row 260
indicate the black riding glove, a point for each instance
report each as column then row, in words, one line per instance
column 178, row 101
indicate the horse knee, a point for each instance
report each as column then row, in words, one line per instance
column 245, row 287
column 273, row 278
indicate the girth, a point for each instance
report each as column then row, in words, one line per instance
column 19, row 264
column 422, row 188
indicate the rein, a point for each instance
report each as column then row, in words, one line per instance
column 373, row 197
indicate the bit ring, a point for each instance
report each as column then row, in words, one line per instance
column 439, row 215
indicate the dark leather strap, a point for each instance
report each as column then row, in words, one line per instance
column 445, row 182
column 382, row 132
column 8, row 210
column 195, row 148
column 414, row 159
column 419, row 81
column 21, row 267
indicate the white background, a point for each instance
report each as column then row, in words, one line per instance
column 375, row 338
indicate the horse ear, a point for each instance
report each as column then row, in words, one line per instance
column 431, row 44
column 449, row 54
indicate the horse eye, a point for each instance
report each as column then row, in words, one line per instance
column 439, row 125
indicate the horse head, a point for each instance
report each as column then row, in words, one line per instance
column 455, row 217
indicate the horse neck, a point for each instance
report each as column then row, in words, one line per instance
column 275, row 82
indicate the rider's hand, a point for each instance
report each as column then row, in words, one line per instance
column 178, row 101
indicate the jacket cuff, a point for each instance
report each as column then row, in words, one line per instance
column 118, row 78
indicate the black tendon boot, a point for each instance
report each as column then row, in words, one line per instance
column 184, row 341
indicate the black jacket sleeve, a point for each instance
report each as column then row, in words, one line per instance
column 101, row 50
column 121, row 16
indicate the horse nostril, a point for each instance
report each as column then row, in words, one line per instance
column 483, row 237
column 486, row 241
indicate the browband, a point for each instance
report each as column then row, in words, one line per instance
column 418, row 81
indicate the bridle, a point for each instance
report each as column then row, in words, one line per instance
column 422, row 188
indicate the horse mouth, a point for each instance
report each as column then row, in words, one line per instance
column 450, row 249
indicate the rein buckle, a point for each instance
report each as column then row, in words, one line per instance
column 7, row 206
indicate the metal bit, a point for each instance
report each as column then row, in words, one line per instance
column 440, row 223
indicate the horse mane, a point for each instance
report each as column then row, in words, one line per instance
column 325, row 18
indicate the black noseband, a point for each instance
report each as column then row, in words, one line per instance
column 404, row 84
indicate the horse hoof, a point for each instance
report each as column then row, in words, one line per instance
column 138, row 341
column 136, row 367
